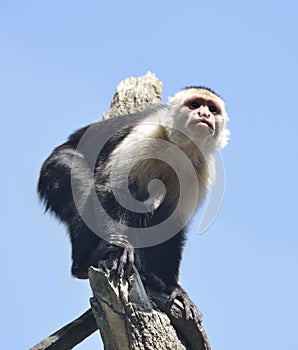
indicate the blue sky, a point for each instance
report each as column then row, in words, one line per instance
column 60, row 63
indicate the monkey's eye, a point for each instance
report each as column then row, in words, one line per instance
column 193, row 105
column 213, row 109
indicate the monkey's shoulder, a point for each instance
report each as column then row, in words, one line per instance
column 116, row 128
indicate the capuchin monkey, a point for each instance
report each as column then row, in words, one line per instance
column 127, row 187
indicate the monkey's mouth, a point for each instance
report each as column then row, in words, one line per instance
column 204, row 121
column 208, row 123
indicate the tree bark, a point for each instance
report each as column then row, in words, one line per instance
column 131, row 317
column 126, row 317
column 135, row 94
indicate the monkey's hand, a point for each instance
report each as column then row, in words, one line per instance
column 119, row 260
column 190, row 309
column 126, row 261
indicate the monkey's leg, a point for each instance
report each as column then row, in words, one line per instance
column 153, row 281
column 163, row 260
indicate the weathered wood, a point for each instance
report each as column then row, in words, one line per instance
column 135, row 94
column 126, row 317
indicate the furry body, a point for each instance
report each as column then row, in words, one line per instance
column 135, row 138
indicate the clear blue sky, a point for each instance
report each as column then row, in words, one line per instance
column 60, row 63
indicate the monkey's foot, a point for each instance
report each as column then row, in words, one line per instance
column 190, row 309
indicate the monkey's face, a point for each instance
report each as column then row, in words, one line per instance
column 200, row 114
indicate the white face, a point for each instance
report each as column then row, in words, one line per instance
column 204, row 114
column 200, row 114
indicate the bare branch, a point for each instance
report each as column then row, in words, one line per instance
column 70, row 335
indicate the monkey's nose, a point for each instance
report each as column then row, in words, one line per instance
column 203, row 111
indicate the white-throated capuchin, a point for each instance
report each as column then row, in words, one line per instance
column 126, row 187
